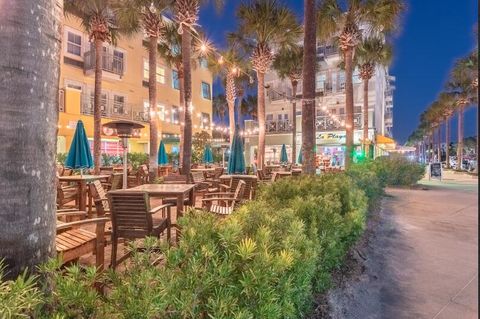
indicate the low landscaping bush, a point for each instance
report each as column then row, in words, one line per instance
column 398, row 171
column 264, row 261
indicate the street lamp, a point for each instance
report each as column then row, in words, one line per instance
column 124, row 130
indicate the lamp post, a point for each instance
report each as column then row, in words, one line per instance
column 124, row 130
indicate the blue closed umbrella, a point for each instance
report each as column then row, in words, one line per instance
column 236, row 161
column 162, row 154
column 283, row 155
column 79, row 155
column 207, row 155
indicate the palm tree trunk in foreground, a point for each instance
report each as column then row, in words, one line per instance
column 28, row 127
column 152, row 98
column 231, row 117
column 294, row 122
column 348, row 107
column 261, row 120
column 181, row 87
column 97, row 111
column 460, row 138
column 187, row 128
column 365, row 115
column 308, row 86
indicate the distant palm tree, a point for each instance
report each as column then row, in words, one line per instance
column 146, row 15
column 263, row 25
column 248, row 106
column 370, row 53
column 219, row 107
column 186, row 14
column 460, row 85
column 100, row 21
column 28, row 130
column 289, row 63
column 447, row 102
column 345, row 25
column 170, row 48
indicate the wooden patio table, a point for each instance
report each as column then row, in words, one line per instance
column 204, row 169
column 179, row 191
column 82, row 181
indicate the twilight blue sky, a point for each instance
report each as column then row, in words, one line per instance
column 433, row 34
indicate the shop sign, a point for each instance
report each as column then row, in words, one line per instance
column 336, row 138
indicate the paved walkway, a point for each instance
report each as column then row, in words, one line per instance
column 422, row 261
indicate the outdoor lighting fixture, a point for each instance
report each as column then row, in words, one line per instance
column 220, row 60
column 124, row 130
column 203, row 47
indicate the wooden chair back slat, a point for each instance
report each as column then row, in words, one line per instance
column 175, row 179
column 116, row 180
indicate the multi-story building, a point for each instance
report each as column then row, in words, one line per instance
column 330, row 110
column 124, row 91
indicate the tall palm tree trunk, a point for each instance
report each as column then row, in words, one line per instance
column 152, row 98
column 447, row 141
column 460, row 137
column 181, row 88
column 349, row 107
column 294, row 122
column 187, row 128
column 97, row 111
column 261, row 120
column 29, row 104
column 439, row 142
column 231, row 117
column 308, row 104
column 365, row 115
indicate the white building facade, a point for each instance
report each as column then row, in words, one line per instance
column 330, row 110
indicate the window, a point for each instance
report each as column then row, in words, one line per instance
column 117, row 63
column 74, row 43
column 206, row 94
column 357, row 109
column 160, row 110
column 333, row 111
column 175, row 115
column 269, row 117
column 320, row 81
column 203, row 63
column 356, row 77
column 341, row 80
column 285, row 116
column 342, row 110
column 279, row 117
column 103, row 101
column 205, row 121
column 119, row 104
column 160, row 72
column 175, row 80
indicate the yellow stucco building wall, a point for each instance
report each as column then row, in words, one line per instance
column 125, row 91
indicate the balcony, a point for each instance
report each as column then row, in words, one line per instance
column 110, row 63
column 326, row 123
column 271, row 127
column 114, row 109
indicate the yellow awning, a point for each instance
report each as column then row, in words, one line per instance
column 384, row 140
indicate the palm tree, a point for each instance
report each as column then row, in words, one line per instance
column 344, row 24
column 448, row 108
column 219, row 107
column 248, row 106
column 370, row 53
column 263, row 25
column 288, row 63
column 146, row 15
column 100, row 21
column 228, row 67
column 186, row 14
column 170, row 48
column 28, row 129
column 461, row 86
column 308, row 85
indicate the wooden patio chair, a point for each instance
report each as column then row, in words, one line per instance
column 250, row 186
column 296, row 172
column 65, row 195
column 72, row 242
column 175, row 179
column 133, row 218
column 226, row 202
column 262, row 177
column 115, row 182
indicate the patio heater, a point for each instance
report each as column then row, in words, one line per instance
column 124, row 130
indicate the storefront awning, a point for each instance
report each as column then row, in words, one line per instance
column 384, row 140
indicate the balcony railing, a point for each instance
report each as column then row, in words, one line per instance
column 110, row 63
column 326, row 123
column 271, row 127
column 114, row 109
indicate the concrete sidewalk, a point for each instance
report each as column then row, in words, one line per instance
column 422, row 261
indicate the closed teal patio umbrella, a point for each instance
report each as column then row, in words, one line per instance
column 236, row 161
column 300, row 157
column 79, row 155
column 283, row 155
column 207, row 155
column 162, row 154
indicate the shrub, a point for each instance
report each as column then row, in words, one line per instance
column 61, row 158
column 137, row 159
column 398, row 171
column 109, row 160
column 264, row 261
